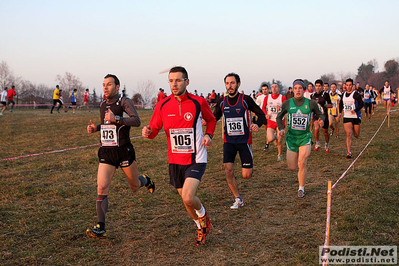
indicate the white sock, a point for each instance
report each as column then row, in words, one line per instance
column 197, row 223
column 200, row 212
column 326, row 145
column 302, row 188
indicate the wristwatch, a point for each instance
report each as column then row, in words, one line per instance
column 118, row 119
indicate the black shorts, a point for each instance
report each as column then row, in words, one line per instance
column 368, row 107
column 117, row 156
column 10, row 101
column 326, row 122
column 354, row 121
column 73, row 103
column 3, row 103
column 57, row 101
column 245, row 150
column 178, row 173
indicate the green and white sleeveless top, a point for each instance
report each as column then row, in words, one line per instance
column 298, row 118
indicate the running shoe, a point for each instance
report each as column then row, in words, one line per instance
column 266, row 147
column 301, row 194
column 96, row 232
column 279, row 158
column 205, row 223
column 327, row 150
column 200, row 240
column 150, row 184
column 237, row 204
column 317, row 147
column 349, row 155
column 332, row 132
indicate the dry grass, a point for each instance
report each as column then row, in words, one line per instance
column 48, row 201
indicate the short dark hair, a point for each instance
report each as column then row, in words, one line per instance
column 87, row 89
column 179, row 69
column 116, row 80
column 349, row 80
column 334, row 84
column 319, row 81
column 75, row 89
column 12, row 87
column 232, row 74
column 326, row 83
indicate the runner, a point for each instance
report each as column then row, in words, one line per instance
column 368, row 101
column 271, row 107
column 352, row 105
column 323, row 100
column 10, row 97
column 299, row 137
column 73, row 96
column 386, row 92
column 179, row 114
column 56, row 99
column 289, row 94
column 265, row 91
column 333, row 112
column 236, row 108
column 3, row 100
column 86, row 96
column 62, row 101
column 309, row 92
column 116, row 149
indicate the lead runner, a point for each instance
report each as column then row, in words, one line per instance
column 299, row 137
column 116, row 149
column 180, row 116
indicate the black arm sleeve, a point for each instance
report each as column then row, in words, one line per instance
column 253, row 107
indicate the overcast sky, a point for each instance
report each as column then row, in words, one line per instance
column 259, row 40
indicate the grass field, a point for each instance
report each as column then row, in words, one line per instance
column 48, row 201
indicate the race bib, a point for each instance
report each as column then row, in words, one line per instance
column 349, row 107
column 334, row 104
column 109, row 135
column 235, row 126
column 299, row 121
column 182, row 140
column 367, row 96
column 273, row 109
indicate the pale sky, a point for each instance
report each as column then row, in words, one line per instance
column 259, row 40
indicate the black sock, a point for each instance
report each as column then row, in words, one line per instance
column 143, row 181
column 102, row 208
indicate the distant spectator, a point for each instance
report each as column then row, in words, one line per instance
column 161, row 95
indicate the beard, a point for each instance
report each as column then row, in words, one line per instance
column 231, row 94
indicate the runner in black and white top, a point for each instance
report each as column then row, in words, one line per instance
column 116, row 149
column 386, row 92
column 350, row 106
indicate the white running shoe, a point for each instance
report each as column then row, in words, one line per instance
column 237, row 204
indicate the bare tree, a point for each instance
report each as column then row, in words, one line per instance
column 345, row 75
column 68, row 82
column 6, row 75
column 330, row 77
column 147, row 90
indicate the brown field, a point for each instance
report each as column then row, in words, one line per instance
column 48, row 201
